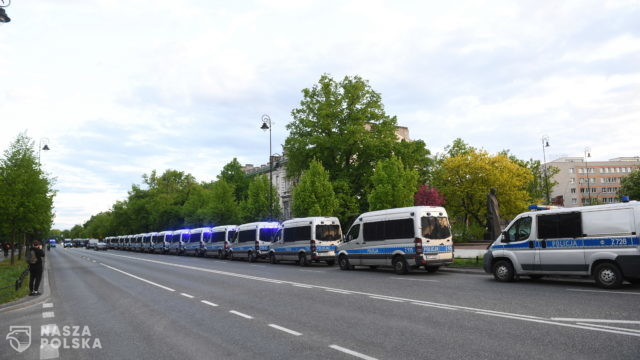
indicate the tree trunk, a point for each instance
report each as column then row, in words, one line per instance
column 13, row 246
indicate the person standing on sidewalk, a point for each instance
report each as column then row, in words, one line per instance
column 35, row 259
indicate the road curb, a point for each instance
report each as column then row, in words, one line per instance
column 462, row 270
column 28, row 301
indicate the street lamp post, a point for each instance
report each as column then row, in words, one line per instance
column 587, row 154
column 266, row 125
column 43, row 144
column 545, row 144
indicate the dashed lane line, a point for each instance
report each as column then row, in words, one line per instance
column 187, row 295
column 47, row 305
column 352, row 353
column 208, row 303
column 139, row 278
column 241, row 314
column 385, row 298
column 289, row 331
column 48, row 315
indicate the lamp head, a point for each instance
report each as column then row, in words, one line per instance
column 4, row 18
column 46, row 147
column 264, row 126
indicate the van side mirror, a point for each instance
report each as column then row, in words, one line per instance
column 505, row 237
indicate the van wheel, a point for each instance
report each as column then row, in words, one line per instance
column 400, row 265
column 343, row 262
column 331, row 262
column 272, row 258
column 503, row 271
column 252, row 257
column 431, row 269
column 302, row 260
column 608, row 276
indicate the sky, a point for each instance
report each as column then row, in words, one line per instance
column 120, row 88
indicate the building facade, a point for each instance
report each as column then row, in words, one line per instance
column 583, row 182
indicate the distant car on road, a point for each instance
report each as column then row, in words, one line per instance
column 100, row 246
column 67, row 244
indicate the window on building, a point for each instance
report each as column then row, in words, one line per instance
column 574, row 201
column 572, row 181
column 571, row 170
column 573, row 190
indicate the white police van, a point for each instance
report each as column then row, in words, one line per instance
column 178, row 239
column 147, row 245
column 160, row 241
column 599, row 241
column 220, row 240
column 307, row 239
column 195, row 243
column 252, row 240
column 403, row 238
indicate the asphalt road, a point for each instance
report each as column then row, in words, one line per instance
column 143, row 306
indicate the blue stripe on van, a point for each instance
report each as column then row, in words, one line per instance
column 575, row 243
column 406, row 250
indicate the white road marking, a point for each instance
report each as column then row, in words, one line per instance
column 351, row 352
column 598, row 321
column 93, row 260
column 47, row 305
column 447, row 306
column 285, row 329
column 139, row 278
column 562, row 324
column 187, row 295
column 435, row 306
column 611, row 327
column 339, row 291
column 404, row 278
column 303, row 286
column 315, row 271
column 48, row 315
column 607, row 291
column 386, row 298
column 241, row 314
column 208, row 303
column 48, row 351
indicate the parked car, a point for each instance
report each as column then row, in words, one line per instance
column 100, row 246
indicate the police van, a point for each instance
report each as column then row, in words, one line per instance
column 197, row 237
column 304, row 240
column 147, row 244
column 178, row 239
column 599, row 241
column 160, row 241
column 403, row 238
column 252, row 240
column 220, row 240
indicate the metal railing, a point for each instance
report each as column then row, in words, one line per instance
column 16, row 286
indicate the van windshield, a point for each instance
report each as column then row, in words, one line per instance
column 267, row 234
column 328, row 232
column 435, row 227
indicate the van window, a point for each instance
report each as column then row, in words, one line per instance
column 328, row 232
column 389, row 229
column 607, row 222
column 247, row 235
column 435, row 227
column 217, row 237
column 354, row 232
column 231, row 235
column 206, row 237
column 267, row 234
column 521, row 229
column 297, row 233
column 557, row 226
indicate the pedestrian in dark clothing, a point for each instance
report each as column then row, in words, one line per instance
column 35, row 259
column 6, row 247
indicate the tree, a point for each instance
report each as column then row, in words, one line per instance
column 163, row 201
column 232, row 173
column 26, row 194
column 631, row 185
column 344, row 126
column 542, row 180
column 465, row 181
column 393, row 185
column 256, row 207
column 428, row 196
column 314, row 195
column 212, row 204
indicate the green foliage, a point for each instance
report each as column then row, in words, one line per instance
column 26, row 194
column 314, row 195
column 466, row 179
column 256, row 207
column 631, row 185
column 393, row 185
column 212, row 204
column 542, row 181
column 232, row 173
column 343, row 125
